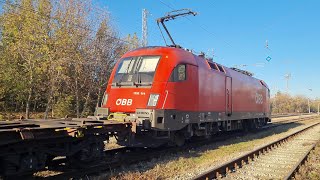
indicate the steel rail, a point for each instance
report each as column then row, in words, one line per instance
column 301, row 162
column 289, row 115
column 234, row 164
column 134, row 156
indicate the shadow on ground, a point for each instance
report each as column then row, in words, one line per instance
column 190, row 151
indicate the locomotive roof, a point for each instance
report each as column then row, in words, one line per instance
column 156, row 47
column 201, row 56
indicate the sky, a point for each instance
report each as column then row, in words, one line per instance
column 235, row 34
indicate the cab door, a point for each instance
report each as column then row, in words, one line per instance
column 228, row 94
column 182, row 89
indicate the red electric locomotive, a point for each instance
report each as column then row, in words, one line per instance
column 172, row 94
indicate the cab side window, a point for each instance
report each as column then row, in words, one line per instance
column 179, row 73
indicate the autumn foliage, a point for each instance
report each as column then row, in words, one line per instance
column 56, row 56
column 282, row 103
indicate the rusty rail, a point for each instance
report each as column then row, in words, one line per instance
column 301, row 162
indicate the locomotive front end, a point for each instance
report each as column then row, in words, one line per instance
column 142, row 90
column 131, row 90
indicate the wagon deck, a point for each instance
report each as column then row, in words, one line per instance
column 26, row 145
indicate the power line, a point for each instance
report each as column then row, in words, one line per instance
column 202, row 27
column 154, row 31
column 100, row 9
column 212, row 2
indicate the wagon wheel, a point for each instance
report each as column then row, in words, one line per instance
column 88, row 155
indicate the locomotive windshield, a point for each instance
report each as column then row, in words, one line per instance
column 136, row 71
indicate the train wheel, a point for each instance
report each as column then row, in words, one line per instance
column 23, row 164
column 250, row 125
column 88, row 155
column 246, row 125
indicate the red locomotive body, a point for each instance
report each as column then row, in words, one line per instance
column 173, row 94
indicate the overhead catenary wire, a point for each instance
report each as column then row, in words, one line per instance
column 193, row 50
column 203, row 28
column 100, row 9
column 155, row 34
column 206, row 30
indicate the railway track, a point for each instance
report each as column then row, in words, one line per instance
column 131, row 156
column 289, row 115
column 289, row 121
column 276, row 160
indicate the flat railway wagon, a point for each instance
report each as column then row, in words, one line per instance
column 171, row 94
column 30, row 145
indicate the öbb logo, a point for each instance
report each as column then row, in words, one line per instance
column 124, row 102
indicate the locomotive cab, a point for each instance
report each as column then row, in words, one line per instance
column 149, row 86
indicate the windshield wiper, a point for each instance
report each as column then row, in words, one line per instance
column 137, row 73
column 119, row 84
column 142, row 84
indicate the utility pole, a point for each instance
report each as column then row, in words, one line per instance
column 287, row 76
column 144, row 27
column 309, row 101
column 318, row 102
column 309, row 104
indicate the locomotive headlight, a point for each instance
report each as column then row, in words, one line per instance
column 153, row 99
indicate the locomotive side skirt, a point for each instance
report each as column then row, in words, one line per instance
column 172, row 120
